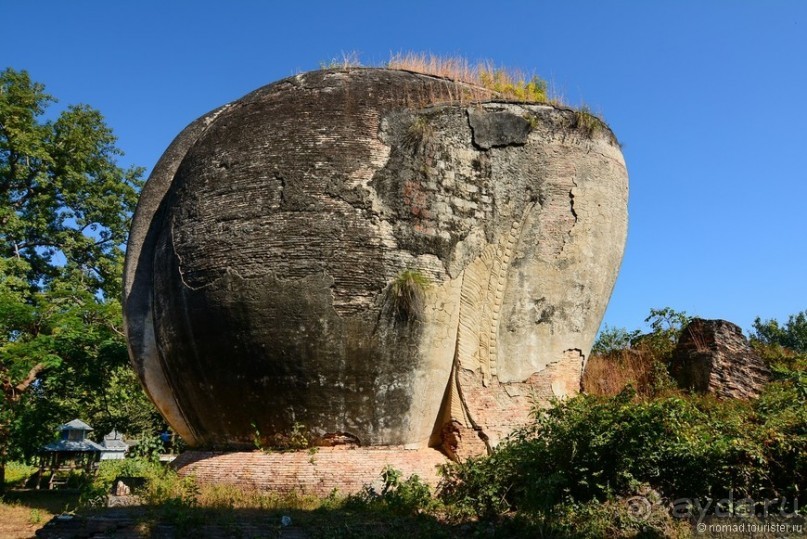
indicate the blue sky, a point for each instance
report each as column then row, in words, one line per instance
column 707, row 97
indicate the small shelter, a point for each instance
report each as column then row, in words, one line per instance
column 113, row 446
column 73, row 451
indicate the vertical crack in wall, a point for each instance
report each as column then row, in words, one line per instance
column 568, row 236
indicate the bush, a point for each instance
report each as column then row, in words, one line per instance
column 402, row 497
column 591, row 449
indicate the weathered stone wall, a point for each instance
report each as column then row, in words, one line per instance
column 267, row 239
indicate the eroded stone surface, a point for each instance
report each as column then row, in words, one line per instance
column 713, row 356
column 263, row 251
column 497, row 128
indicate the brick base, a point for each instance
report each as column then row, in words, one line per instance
column 346, row 469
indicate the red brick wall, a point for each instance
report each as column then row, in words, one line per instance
column 344, row 469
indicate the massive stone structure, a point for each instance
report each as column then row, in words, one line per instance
column 386, row 258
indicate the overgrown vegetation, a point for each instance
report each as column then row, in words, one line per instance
column 648, row 461
column 643, row 462
column 622, row 358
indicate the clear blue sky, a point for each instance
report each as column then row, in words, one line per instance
column 708, row 98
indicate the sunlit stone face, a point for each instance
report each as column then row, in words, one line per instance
column 277, row 235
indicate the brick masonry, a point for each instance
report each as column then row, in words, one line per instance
column 346, row 469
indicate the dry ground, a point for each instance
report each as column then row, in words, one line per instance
column 24, row 512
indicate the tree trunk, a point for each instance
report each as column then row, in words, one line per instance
column 3, row 456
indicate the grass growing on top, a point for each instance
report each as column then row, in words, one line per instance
column 483, row 80
column 509, row 83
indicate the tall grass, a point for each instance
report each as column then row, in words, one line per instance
column 641, row 368
column 507, row 82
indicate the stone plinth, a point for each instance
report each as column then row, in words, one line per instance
column 319, row 472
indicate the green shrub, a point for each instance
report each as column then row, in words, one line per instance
column 613, row 339
column 398, row 496
column 593, row 448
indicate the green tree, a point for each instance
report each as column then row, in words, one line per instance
column 791, row 335
column 65, row 207
column 613, row 339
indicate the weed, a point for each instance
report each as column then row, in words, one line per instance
column 532, row 120
column 408, row 294
column 294, row 440
column 257, row 439
column 586, row 122
column 35, row 517
column 417, row 133
column 348, row 60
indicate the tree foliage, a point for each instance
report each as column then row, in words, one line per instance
column 613, row 339
column 65, row 208
column 791, row 335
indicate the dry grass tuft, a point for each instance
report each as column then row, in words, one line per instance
column 346, row 60
column 509, row 83
column 454, row 68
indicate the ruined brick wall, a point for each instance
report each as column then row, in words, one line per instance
column 713, row 356
column 346, row 470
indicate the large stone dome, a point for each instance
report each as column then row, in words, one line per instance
column 382, row 257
